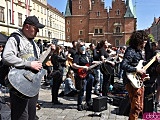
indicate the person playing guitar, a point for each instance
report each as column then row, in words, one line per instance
column 22, row 106
column 104, row 54
column 80, row 61
column 132, row 56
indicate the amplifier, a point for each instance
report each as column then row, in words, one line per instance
column 148, row 103
column 100, row 104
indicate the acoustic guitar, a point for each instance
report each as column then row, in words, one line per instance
column 49, row 63
column 69, row 62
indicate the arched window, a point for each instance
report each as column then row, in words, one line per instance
column 117, row 42
column 118, row 29
column 118, row 12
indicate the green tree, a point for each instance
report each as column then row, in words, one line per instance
column 151, row 37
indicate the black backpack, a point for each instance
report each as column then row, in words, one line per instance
column 4, row 69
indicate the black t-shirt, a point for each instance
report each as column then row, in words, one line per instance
column 72, row 51
column 104, row 53
column 81, row 59
column 58, row 62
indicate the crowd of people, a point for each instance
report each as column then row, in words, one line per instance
column 89, row 69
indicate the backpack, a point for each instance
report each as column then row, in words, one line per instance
column 4, row 69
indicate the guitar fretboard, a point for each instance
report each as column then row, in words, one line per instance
column 43, row 56
column 95, row 65
column 149, row 63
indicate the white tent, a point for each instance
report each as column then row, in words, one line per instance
column 68, row 44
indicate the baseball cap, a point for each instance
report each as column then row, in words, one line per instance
column 33, row 20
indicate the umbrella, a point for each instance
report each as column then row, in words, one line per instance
column 3, row 38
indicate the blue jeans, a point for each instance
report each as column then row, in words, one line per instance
column 99, row 78
column 88, row 83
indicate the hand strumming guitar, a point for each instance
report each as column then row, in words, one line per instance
column 85, row 68
column 141, row 71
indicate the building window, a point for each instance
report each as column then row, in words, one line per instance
column 2, row 14
column 42, row 10
column 45, row 22
column 37, row 8
column 80, row 32
column 42, row 20
column 98, row 13
column 118, row 12
column 50, row 23
column 98, row 31
column 80, row 1
column 117, row 42
column 80, row 21
column 10, row 16
column 118, row 29
column 80, row 7
column 19, row 19
column 42, row 32
column 68, row 29
column 93, row 1
column 68, row 22
column 33, row 6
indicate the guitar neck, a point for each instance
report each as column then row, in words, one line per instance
column 44, row 56
column 149, row 63
column 95, row 65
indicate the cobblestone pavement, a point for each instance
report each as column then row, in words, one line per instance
column 67, row 111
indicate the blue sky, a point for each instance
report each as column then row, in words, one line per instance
column 146, row 10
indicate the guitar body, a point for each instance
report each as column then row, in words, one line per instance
column 49, row 63
column 107, row 68
column 25, row 81
column 69, row 62
column 82, row 73
column 136, row 79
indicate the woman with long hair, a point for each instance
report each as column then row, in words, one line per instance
column 58, row 62
column 70, row 89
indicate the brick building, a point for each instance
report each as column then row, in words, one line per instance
column 91, row 21
column 155, row 29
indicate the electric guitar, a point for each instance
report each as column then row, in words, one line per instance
column 137, row 79
column 26, row 81
column 83, row 73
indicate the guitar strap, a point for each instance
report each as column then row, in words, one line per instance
column 35, row 50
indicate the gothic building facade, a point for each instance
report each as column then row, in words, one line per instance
column 91, row 21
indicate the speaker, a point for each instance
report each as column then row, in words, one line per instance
column 100, row 104
column 124, row 107
column 148, row 103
